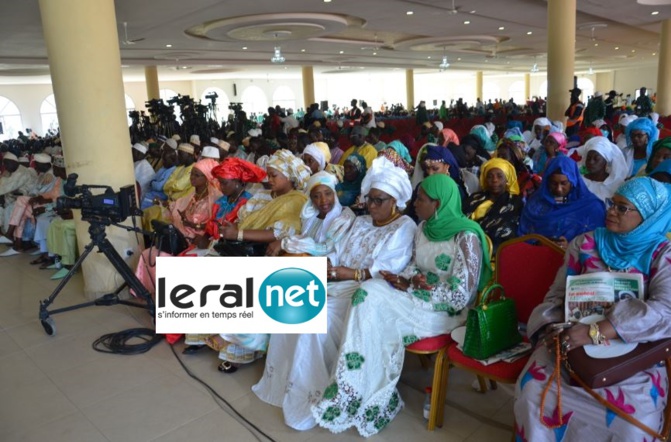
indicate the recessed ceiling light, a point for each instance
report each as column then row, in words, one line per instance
column 244, row 48
column 428, row 56
column 501, row 28
column 168, row 46
column 459, row 59
column 302, row 50
column 473, row 11
column 342, row 52
column 409, row 13
column 596, row 44
column 374, row 53
column 654, row 13
column 654, row 53
column 633, row 50
column 529, row 33
column 467, row 22
column 617, row 48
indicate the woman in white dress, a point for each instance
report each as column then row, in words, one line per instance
column 430, row 297
column 298, row 367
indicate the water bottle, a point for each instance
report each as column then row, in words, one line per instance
column 427, row 403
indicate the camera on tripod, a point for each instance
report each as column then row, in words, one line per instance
column 212, row 96
column 106, row 208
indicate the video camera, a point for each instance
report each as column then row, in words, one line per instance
column 235, row 107
column 106, row 208
column 212, row 96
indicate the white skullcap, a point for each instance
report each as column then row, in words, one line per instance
column 290, row 111
column 42, row 158
column 254, row 132
column 438, row 124
column 224, row 145
column 24, row 159
column 140, row 147
column 176, row 137
column 597, row 94
column 172, row 144
column 210, row 152
column 384, row 176
column 10, row 156
column 380, row 124
column 184, row 147
column 626, row 119
column 195, row 139
column 214, row 140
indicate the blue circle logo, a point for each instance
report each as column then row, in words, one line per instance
column 292, row 296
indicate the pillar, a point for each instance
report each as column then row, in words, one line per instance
column 308, row 86
column 527, row 87
column 663, row 106
column 85, row 67
column 409, row 89
column 151, row 80
column 478, row 86
column 561, row 49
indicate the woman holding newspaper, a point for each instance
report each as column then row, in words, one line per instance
column 633, row 242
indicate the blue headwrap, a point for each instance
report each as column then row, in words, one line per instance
column 663, row 167
column 514, row 124
column 443, row 154
column 400, row 149
column 646, row 125
column 348, row 191
column 483, row 135
column 582, row 212
column 635, row 248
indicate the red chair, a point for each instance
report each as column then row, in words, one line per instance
column 525, row 267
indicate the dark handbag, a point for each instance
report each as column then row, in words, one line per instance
column 491, row 327
column 598, row 373
column 169, row 238
column 240, row 248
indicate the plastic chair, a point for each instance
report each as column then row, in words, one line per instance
column 526, row 271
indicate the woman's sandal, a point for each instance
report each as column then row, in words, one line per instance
column 227, row 367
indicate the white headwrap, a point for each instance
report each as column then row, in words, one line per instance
column 384, row 176
column 616, row 166
column 654, row 116
column 317, row 152
column 542, row 122
column 291, row 167
column 626, row 119
column 262, row 162
column 309, row 212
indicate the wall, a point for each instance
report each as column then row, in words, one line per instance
column 628, row 81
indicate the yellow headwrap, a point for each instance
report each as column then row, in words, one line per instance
column 508, row 170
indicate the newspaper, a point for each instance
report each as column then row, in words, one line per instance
column 591, row 294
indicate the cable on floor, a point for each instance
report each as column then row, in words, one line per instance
column 119, row 342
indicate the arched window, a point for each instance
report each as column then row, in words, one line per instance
column 130, row 106
column 222, row 102
column 10, row 119
column 167, row 94
column 516, row 92
column 284, row 97
column 49, row 115
column 254, row 101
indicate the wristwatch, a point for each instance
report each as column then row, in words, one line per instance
column 597, row 337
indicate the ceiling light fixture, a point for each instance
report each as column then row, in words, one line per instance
column 409, row 13
column 467, row 22
column 444, row 64
column 342, row 52
column 302, row 50
column 590, row 71
column 277, row 56
column 529, row 33
column 654, row 13
column 501, row 28
column 168, row 46
column 244, row 48
column 617, row 48
column 534, row 68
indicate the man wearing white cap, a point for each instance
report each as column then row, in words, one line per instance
column 45, row 190
column 144, row 173
column 210, row 152
column 19, row 181
column 195, row 140
column 289, row 121
column 223, row 147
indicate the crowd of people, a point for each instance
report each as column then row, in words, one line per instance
column 410, row 217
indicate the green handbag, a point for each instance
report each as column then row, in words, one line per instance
column 491, row 327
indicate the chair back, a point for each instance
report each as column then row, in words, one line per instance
column 526, row 267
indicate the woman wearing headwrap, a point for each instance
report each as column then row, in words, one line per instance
column 604, row 128
column 396, row 159
column 299, row 366
column 564, row 207
column 498, row 206
column 662, row 172
column 268, row 217
column 541, row 128
column 429, row 297
column 485, row 138
column 554, row 145
column 641, row 135
column 470, row 154
column 316, row 156
column 400, row 148
column 350, row 188
column 633, row 241
column 661, row 151
column 606, row 167
column 324, row 220
column 528, row 181
column 447, row 136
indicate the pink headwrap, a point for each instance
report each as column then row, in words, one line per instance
column 561, row 140
column 206, row 165
column 450, row 137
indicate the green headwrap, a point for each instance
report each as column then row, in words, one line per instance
column 450, row 220
column 664, row 143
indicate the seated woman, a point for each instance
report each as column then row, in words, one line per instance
column 528, row 181
column 350, row 188
column 641, row 134
column 606, row 167
column 554, row 145
column 633, row 241
column 298, row 367
column 447, row 136
column 324, row 222
column 662, row 172
column 661, row 150
column 485, row 138
column 400, row 148
column 268, row 217
column 316, row 156
column 498, row 207
column 430, row 297
column 564, row 207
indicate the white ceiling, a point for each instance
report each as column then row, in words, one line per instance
column 208, row 36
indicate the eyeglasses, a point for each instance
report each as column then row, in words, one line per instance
column 376, row 201
column 638, row 134
column 620, row 208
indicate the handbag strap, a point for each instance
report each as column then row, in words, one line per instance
column 488, row 291
column 663, row 436
column 555, row 376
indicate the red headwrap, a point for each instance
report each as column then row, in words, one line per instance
column 234, row 168
column 591, row 130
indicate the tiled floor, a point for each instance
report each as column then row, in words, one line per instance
column 57, row 388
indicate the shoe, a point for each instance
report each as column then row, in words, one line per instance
column 9, row 252
column 227, row 367
column 191, row 349
column 35, row 253
column 62, row 273
column 5, row 240
column 53, row 266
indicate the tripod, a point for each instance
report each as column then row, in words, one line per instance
column 98, row 239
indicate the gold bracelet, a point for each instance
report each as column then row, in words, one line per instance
column 357, row 275
column 240, row 236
